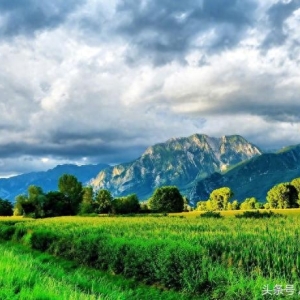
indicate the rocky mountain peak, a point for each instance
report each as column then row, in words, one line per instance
column 178, row 161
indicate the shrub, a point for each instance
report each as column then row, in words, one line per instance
column 211, row 214
column 6, row 232
column 258, row 215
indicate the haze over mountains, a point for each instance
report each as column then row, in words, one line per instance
column 197, row 165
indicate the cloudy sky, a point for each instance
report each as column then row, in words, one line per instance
column 88, row 81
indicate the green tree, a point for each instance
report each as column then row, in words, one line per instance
column 202, row 205
column 219, row 198
column 235, row 205
column 249, row 203
column 87, row 206
column 167, row 199
column 103, row 201
column 72, row 189
column 18, row 207
column 88, row 195
column 283, row 195
column 37, row 198
column 56, row 204
column 126, row 205
column 32, row 204
column 6, row 208
column 211, row 205
column 186, row 204
column 144, row 206
column 296, row 183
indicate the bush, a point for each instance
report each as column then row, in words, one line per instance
column 42, row 240
column 6, row 232
column 258, row 215
column 211, row 214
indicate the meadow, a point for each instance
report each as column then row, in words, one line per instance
column 192, row 257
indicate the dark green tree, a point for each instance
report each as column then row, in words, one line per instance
column 283, row 195
column 87, row 206
column 167, row 199
column 56, row 204
column 144, row 206
column 32, row 204
column 126, row 205
column 103, row 201
column 6, row 208
column 296, row 184
column 72, row 189
column 28, row 208
column 36, row 197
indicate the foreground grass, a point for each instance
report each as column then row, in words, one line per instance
column 27, row 274
column 225, row 258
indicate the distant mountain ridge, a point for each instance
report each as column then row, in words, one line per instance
column 178, row 161
column 197, row 165
column 252, row 178
column 47, row 180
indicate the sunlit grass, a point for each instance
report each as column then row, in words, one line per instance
column 232, row 213
column 214, row 258
column 30, row 275
column 13, row 218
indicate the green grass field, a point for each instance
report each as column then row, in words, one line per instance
column 187, row 256
column 26, row 274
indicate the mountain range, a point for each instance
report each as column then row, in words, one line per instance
column 178, row 161
column 48, row 180
column 254, row 177
column 197, row 165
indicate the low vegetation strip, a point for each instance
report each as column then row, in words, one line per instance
column 31, row 275
column 24, row 277
column 221, row 258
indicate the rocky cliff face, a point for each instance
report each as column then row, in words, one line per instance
column 252, row 178
column 179, row 161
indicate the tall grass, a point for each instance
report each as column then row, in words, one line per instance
column 216, row 258
column 26, row 275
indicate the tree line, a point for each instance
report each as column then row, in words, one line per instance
column 280, row 196
column 72, row 198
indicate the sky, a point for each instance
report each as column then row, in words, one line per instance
column 95, row 81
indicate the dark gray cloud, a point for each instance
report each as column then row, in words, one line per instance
column 28, row 16
column 265, row 101
column 76, row 150
column 162, row 31
column 277, row 14
column 96, row 81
